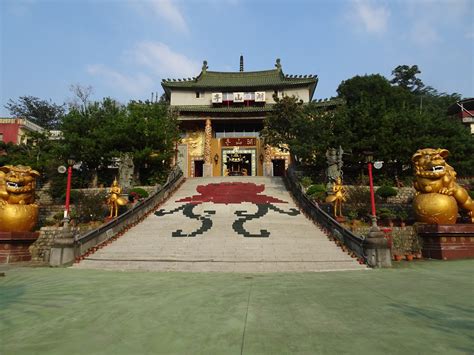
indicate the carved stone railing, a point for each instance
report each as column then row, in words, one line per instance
column 69, row 247
column 372, row 251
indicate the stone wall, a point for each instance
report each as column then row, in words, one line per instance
column 404, row 196
column 149, row 189
column 41, row 248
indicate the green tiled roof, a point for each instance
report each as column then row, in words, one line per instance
column 254, row 80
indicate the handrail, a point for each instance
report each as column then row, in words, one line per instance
column 173, row 177
column 353, row 242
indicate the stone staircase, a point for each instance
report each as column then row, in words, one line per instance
column 225, row 224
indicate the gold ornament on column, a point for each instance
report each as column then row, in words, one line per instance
column 437, row 193
column 18, row 210
column 207, row 142
column 268, row 154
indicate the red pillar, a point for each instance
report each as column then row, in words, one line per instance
column 68, row 190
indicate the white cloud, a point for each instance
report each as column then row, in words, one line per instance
column 371, row 17
column 153, row 61
column 430, row 17
column 165, row 9
column 137, row 85
column 424, row 34
column 163, row 61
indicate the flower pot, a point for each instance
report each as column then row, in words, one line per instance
column 409, row 257
column 418, row 255
column 397, row 257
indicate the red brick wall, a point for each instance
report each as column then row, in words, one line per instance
column 10, row 132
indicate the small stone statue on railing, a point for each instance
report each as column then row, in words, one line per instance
column 337, row 197
column 114, row 200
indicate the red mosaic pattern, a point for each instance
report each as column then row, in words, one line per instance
column 231, row 192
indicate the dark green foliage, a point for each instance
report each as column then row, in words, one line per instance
column 386, row 191
column 139, row 191
column 44, row 113
column 471, row 193
column 386, row 213
column 359, row 195
column 306, row 181
column 317, row 192
column 393, row 119
column 405, row 76
column 101, row 131
column 89, row 207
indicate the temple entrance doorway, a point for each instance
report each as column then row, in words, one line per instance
column 198, row 168
column 278, row 167
column 239, row 162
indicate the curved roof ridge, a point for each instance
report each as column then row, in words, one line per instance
column 244, row 72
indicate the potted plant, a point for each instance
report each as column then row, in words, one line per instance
column 417, row 246
column 402, row 215
column 397, row 246
column 387, row 215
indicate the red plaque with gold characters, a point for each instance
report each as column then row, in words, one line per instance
column 238, row 142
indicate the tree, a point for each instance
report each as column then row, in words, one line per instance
column 149, row 131
column 405, row 77
column 106, row 130
column 307, row 131
column 88, row 135
column 44, row 113
column 81, row 95
column 377, row 116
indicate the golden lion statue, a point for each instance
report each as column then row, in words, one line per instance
column 437, row 193
column 18, row 212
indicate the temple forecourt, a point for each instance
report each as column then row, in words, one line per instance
column 221, row 115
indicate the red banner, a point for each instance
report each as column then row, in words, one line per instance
column 238, row 142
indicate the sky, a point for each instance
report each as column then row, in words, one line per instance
column 124, row 48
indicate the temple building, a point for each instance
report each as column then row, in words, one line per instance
column 221, row 115
column 464, row 111
column 15, row 130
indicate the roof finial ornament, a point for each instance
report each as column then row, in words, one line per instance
column 241, row 63
column 204, row 66
column 278, row 64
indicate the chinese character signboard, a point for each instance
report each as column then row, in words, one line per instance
column 260, row 96
column 216, row 97
column 238, row 142
column 238, row 97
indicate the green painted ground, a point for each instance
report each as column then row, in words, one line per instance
column 425, row 308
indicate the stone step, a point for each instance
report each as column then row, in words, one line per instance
column 225, row 210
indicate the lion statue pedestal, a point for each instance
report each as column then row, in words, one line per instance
column 436, row 204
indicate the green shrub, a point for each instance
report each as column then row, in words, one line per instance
column 89, row 207
column 306, row 181
column 359, row 195
column 386, row 191
column 471, row 193
column 139, row 191
column 316, row 192
column 386, row 213
column 402, row 215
